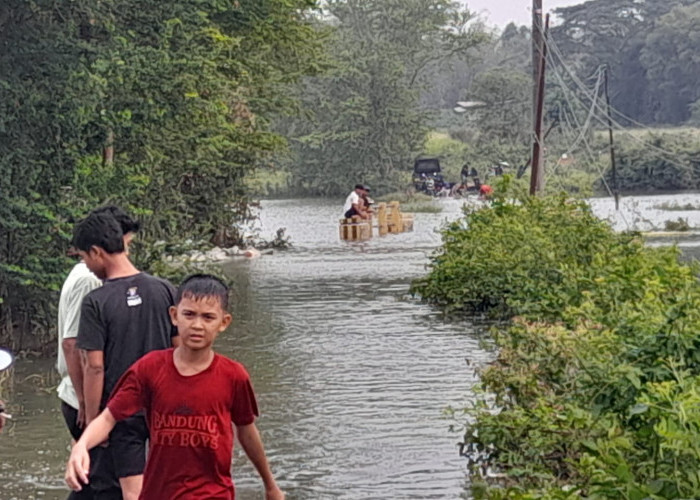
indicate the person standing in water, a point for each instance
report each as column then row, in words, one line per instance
column 78, row 284
column 192, row 396
column 120, row 322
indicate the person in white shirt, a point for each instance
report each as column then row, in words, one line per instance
column 354, row 204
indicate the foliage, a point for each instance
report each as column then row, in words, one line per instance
column 675, row 207
column 656, row 161
column 451, row 80
column 672, row 64
column 508, row 98
column 647, row 46
column 161, row 107
column 363, row 122
column 679, row 224
column 452, row 153
column 595, row 389
column 483, row 268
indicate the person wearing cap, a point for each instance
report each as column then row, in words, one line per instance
column 354, row 204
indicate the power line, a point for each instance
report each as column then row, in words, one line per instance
column 669, row 156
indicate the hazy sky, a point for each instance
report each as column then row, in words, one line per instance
column 501, row 12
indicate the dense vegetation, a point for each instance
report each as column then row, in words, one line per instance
column 159, row 106
column 362, row 120
column 594, row 390
column 396, row 71
column 649, row 47
column 175, row 109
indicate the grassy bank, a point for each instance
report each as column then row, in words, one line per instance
column 595, row 390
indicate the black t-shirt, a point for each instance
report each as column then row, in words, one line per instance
column 126, row 318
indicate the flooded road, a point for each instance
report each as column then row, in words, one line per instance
column 352, row 376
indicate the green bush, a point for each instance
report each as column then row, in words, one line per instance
column 595, row 391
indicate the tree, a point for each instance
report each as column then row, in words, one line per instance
column 158, row 106
column 364, row 120
column 507, row 95
column 614, row 33
column 672, row 63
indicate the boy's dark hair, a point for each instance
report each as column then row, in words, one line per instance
column 199, row 286
column 127, row 224
column 100, row 230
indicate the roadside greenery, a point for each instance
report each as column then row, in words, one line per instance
column 362, row 120
column 161, row 107
column 595, row 390
column 662, row 160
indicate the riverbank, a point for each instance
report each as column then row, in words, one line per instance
column 593, row 393
column 352, row 377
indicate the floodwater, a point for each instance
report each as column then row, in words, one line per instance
column 352, row 376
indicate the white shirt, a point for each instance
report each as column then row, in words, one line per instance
column 78, row 284
column 352, row 199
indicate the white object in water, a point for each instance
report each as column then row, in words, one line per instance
column 5, row 359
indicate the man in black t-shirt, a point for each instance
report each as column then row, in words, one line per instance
column 119, row 322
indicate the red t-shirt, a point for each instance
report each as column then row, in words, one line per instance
column 189, row 418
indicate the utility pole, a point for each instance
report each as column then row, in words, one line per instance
column 537, row 174
column 616, row 192
column 536, row 37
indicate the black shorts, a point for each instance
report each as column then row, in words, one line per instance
column 104, row 484
column 127, row 443
column 350, row 213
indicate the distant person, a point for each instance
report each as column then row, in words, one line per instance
column 367, row 203
column 353, row 203
column 191, row 396
column 465, row 173
column 485, row 192
column 120, row 322
column 78, row 284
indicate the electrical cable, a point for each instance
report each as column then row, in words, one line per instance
column 555, row 51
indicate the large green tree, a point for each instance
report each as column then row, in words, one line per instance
column 672, row 62
column 623, row 34
column 364, row 122
column 159, row 106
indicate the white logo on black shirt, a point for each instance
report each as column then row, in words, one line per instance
column 132, row 297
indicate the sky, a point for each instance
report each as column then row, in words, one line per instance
column 502, row 12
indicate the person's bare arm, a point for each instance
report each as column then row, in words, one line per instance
column 93, row 382
column 75, row 372
column 360, row 209
column 249, row 437
column 2, row 418
column 78, row 465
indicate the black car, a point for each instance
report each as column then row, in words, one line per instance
column 427, row 176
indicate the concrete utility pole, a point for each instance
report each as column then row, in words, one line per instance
column 539, row 60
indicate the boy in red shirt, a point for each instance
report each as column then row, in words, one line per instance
column 191, row 395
